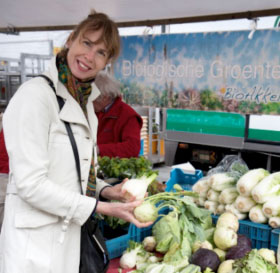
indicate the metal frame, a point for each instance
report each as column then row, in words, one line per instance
column 36, row 67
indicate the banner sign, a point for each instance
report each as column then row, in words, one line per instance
column 224, row 71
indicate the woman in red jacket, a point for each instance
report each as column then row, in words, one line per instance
column 4, row 159
column 119, row 126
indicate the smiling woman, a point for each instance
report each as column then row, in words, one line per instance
column 44, row 208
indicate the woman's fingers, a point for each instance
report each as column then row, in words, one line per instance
column 142, row 225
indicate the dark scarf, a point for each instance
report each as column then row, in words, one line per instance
column 80, row 91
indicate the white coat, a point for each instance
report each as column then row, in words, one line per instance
column 43, row 218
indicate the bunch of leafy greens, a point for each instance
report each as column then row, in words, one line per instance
column 121, row 168
column 176, row 232
column 253, row 262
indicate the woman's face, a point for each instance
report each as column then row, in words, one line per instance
column 85, row 57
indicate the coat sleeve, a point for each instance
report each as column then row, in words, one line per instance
column 26, row 125
column 130, row 143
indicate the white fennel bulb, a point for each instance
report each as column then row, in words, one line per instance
column 138, row 187
column 272, row 207
column 221, row 181
column 228, row 195
column 256, row 214
column 274, row 222
column 231, row 208
column 267, row 188
column 244, row 204
column 129, row 258
column 249, row 180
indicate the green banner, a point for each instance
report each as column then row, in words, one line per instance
column 216, row 123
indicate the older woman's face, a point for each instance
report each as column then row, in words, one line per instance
column 85, row 57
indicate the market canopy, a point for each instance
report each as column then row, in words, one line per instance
column 32, row 15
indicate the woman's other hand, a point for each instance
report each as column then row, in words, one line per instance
column 124, row 211
column 117, row 193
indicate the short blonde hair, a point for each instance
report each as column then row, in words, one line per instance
column 96, row 21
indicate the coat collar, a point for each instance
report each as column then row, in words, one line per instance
column 71, row 111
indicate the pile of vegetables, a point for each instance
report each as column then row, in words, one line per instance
column 254, row 194
column 179, row 245
column 180, row 226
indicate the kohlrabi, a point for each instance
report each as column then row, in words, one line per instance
column 148, row 210
column 225, row 238
column 228, row 220
column 137, row 187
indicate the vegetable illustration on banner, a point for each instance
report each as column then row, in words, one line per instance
column 203, row 71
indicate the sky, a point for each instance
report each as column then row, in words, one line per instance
column 11, row 46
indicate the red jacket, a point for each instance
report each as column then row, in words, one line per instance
column 4, row 159
column 119, row 131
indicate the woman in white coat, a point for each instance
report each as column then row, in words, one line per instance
column 44, row 208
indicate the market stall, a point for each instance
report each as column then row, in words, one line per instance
column 241, row 231
column 19, row 16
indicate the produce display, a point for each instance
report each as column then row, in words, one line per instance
column 184, row 240
column 253, row 194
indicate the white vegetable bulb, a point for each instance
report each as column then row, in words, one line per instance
column 226, row 266
column 256, row 214
column 149, row 243
column 249, row 180
column 138, row 187
column 128, row 259
column 224, row 238
column 267, row 188
column 228, row 220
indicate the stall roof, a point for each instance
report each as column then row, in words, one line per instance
column 32, row 15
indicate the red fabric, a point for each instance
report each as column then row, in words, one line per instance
column 119, row 130
column 4, row 159
column 114, row 265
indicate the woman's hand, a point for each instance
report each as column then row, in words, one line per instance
column 116, row 193
column 124, row 211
